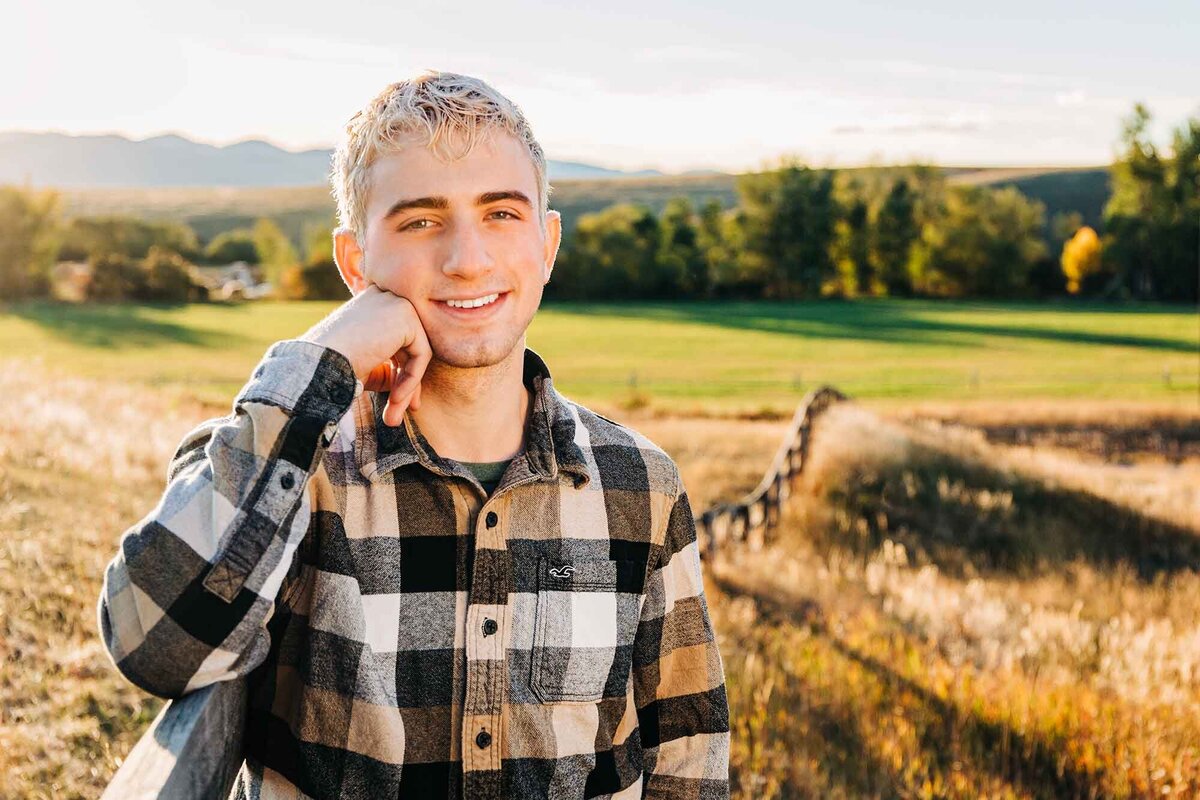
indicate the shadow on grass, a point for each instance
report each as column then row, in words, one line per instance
column 967, row 517
column 892, row 321
column 948, row 733
column 119, row 326
column 834, row 736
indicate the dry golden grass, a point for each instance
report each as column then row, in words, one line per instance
column 940, row 616
column 720, row 459
column 80, row 461
column 1023, row 641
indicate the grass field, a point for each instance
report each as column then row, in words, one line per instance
column 685, row 357
column 976, row 591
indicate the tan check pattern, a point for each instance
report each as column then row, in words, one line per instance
column 404, row 634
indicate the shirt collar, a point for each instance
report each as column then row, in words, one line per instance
column 550, row 445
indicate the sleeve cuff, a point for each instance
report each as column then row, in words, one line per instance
column 303, row 377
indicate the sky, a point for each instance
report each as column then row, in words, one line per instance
column 672, row 86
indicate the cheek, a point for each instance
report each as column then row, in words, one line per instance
column 398, row 274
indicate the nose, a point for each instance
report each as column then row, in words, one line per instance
column 468, row 255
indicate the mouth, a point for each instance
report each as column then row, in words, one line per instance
column 474, row 308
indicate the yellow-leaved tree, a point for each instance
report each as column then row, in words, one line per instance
column 1080, row 258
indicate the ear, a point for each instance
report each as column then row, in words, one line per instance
column 552, row 240
column 349, row 259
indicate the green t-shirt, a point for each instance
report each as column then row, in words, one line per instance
column 488, row 472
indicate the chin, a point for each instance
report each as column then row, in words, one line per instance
column 482, row 352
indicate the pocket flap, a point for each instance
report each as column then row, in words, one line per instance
column 605, row 575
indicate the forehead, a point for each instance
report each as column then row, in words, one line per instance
column 498, row 161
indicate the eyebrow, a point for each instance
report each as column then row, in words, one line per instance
column 442, row 203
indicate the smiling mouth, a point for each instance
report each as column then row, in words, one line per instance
column 477, row 302
column 474, row 304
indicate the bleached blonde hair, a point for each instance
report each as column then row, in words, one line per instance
column 449, row 113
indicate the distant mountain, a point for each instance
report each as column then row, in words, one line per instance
column 82, row 162
column 574, row 170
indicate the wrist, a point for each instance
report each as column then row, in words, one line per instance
column 324, row 339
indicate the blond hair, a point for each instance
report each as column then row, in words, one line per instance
column 434, row 108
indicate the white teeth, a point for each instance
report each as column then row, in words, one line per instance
column 476, row 303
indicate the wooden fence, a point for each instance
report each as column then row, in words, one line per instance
column 752, row 520
column 193, row 749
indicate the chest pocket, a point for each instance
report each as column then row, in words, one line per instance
column 585, row 622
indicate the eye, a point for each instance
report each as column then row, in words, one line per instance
column 509, row 213
column 415, row 225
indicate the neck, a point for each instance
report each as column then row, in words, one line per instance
column 475, row 414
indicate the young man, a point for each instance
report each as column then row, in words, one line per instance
column 440, row 577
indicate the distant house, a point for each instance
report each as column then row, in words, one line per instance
column 70, row 280
column 236, row 281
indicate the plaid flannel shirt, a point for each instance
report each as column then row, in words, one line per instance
column 404, row 634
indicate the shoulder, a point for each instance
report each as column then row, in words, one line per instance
column 624, row 456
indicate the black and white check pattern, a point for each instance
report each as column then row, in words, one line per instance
column 406, row 635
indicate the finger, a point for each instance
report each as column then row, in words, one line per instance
column 416, row 357
column 393, row 411
column 399, row 400
column 415, row 402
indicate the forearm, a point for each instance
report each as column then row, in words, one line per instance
column 192, row 585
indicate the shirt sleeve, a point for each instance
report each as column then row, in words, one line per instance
column 186, row 599
column 679, row 681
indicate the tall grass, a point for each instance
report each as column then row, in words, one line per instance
column 941, row 616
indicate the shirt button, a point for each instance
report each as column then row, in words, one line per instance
column 491, row 519
column 287, row 480
column 483, row 739
column 489, row 627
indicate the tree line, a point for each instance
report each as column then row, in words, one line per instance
column 799, row 232
column 795, row 232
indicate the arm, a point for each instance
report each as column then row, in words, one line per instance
column 679, row 681
column 187, row 597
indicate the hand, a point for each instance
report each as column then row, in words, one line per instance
column 382, row 337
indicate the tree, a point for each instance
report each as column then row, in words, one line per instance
column 854, row 247
column 29, row 228
column 168, row 278
column 712, row 239
column 275, row 250
column 86, row 238
column 985, row 243
column 788, row 218
column 116, row 277
column 894, row 235
column 163, row 276
column 231, row 246
column 680, row 252
column 1080, row 258
column 614, row 254
column 318, row 277
column 1152, row 219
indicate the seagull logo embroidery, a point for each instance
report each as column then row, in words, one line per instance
column 564, row 572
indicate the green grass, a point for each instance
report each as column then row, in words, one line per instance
column 717, row 355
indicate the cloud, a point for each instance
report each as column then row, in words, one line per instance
column 970, row 74
column 926, row 126
column 690, row 54
column 1076, row 97
column 307, row 49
